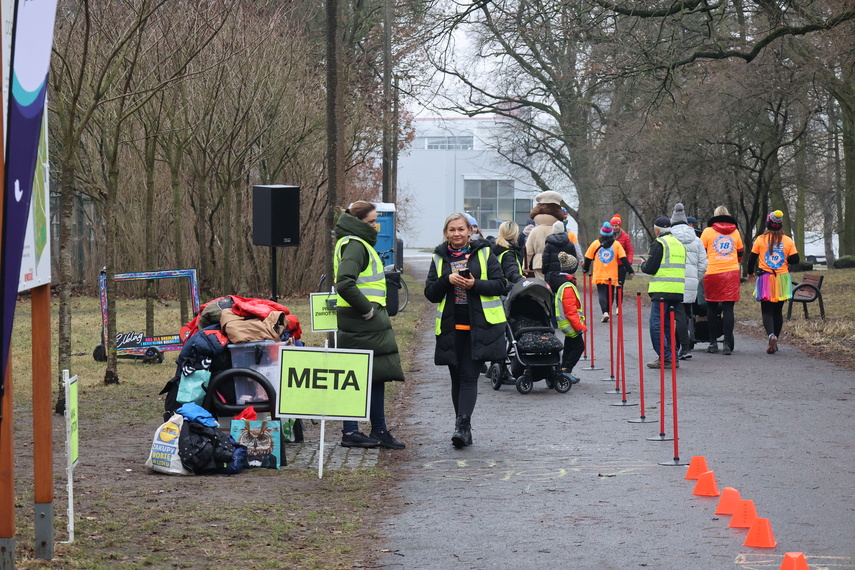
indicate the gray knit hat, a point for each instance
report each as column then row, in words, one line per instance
column 679, row 215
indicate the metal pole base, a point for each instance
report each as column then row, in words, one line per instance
column 660, row 437
column 7, row 554
column 44, row 531
column 616, row 391
column 642, row 420
column 609, row 379
column 675, row 462
column 592, row 367
column 624, row 403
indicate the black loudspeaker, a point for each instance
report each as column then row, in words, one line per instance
column 276, row 215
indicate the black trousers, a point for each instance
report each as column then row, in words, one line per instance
column 721, row 321
column 773, row 317
column 574, row 346
column 464, row 375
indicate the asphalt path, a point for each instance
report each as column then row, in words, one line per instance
column 566, row 481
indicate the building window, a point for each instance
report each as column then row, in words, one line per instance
column 492, row 202
column 444, row 143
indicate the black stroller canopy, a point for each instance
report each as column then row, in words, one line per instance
column 524, row 293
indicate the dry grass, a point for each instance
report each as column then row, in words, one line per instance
column 129, row 517
column 832, row 338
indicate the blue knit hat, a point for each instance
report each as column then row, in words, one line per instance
column 607, row 230
column 471, row 219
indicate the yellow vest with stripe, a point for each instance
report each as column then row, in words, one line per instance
column 671, row 277
column 491, row 305
column 372, row 281
column 516, row 258
column 563, row 321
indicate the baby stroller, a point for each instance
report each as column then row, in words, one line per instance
column 533, row 351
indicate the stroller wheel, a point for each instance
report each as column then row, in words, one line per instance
column 495, row 375
column 563, row 383
column 524, row 384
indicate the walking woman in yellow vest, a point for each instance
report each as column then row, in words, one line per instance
column 465, row 280
column 363, row 322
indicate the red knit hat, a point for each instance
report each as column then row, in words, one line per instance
column 616, row 220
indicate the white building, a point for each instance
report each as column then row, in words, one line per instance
column 450, row 169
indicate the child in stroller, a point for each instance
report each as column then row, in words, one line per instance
column 533, row 351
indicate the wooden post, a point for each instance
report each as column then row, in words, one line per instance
column 42, row 422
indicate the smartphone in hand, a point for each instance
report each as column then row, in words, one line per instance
column 465, row 273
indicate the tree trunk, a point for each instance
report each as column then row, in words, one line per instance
column 111, row 375
column 178, row 221
column 66, row 214
column 149, row 241
column 847, row 230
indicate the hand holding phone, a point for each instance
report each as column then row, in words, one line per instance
column 465, row 273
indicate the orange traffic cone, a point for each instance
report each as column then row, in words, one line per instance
column 697, row 465
column 729, row 501
column 706, row 487
column 794, row 561
column 744, row 516
column 760, row 535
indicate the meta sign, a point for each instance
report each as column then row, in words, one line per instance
column 326, row 383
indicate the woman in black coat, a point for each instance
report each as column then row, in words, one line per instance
column 465, row 279
column 508, row 252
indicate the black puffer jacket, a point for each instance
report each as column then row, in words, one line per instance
column 511, row 261
column 488, row 341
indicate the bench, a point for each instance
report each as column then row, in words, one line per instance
column 806, row 292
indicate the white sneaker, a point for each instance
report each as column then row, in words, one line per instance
column 605, row 318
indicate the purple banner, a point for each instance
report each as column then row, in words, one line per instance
column 32, row 37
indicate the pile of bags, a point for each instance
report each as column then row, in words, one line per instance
column 223, row 321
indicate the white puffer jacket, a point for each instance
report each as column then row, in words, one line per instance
column 696, row 259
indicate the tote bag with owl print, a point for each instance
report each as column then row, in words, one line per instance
column 263, row 441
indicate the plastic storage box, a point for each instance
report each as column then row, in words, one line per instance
column 261, row 356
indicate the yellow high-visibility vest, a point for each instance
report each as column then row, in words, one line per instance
column 494, row 312
column 563, row 321
column 671, row 277
column 372, row 281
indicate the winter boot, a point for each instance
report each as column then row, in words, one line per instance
column 466, row 429
column 461, row 429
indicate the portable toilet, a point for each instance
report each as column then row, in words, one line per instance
column 386, row 242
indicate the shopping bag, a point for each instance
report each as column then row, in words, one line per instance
column 263, row 441
column 163, row 456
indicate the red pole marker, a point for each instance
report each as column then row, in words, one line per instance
column 591, row 328
column 621, row 366
column 585, row 311
column 676, row 460
column 642, row 418
column 661, row 436
column 611, row 340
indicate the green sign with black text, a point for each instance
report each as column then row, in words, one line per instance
column 323, row 311
column 74, row 428
column 325, row 383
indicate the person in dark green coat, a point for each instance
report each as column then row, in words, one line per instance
column 363, row 322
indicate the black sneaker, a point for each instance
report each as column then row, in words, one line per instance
column 685, row 353
column 386, row 439
column 358, row 439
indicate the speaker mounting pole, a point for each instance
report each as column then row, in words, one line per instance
column 274, row 297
